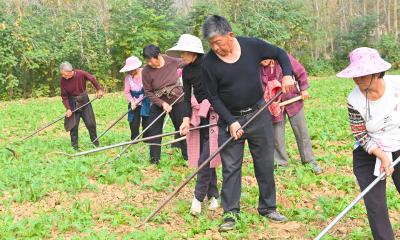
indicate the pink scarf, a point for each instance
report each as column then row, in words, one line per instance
column 273, row 87
column 193, row 138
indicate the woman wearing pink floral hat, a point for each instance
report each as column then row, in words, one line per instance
column 374, row 112
column 134, row 93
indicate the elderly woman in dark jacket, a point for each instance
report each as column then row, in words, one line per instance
column 190, row 49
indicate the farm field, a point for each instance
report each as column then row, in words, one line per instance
column 45, row 195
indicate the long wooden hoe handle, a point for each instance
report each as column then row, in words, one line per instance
column 44, row 127
column 354, row 202
column 292, row 100
column 134, row 141
column 184, row 183
column 114, row 123
column 56, row 120
column 140, row 134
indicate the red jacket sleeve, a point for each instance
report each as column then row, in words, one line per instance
column 300, row 73
column 92, row 79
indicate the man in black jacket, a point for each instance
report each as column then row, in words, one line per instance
column 231, row 73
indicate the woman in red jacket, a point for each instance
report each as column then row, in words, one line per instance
column 295, row 111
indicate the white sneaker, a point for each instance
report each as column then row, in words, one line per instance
column 213, row 204
column 196, row 207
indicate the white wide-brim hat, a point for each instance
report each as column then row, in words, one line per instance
column 131, row 64
column 186, row 43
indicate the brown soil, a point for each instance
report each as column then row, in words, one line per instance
column 115, row 196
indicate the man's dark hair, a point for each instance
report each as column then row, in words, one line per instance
column 381, row 74
column 215, row 25
column 151, row 51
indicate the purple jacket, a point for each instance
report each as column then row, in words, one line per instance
column 301, row 77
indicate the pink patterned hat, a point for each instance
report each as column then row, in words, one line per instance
column 131, row 63
column 364, row 61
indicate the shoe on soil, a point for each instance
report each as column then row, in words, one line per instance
column 195, row 210
column 275, row 216
column 213, row 204
column 228, row 225
column 316, row 168
column 283, row 163
column 154, row 161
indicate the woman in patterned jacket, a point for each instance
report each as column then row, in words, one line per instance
column 374, row 112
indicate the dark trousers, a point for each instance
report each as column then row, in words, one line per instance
column 375, row 200
column 206, row 184
column 135, row 124
column 259, row 135
column 87, row 115
column 176, row 117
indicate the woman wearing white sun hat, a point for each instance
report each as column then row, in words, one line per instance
column 198, row 112
column 374, row 112
column 134, row 93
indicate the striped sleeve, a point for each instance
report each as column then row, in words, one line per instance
column 359, row 130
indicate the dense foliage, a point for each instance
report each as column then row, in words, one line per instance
column 97, row 36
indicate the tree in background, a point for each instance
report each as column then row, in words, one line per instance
column 95, row 35
column 359, row 34
column 389, row 48
column 8, row 61
column 195, row 18
column 98, row 35
column 135, row 26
